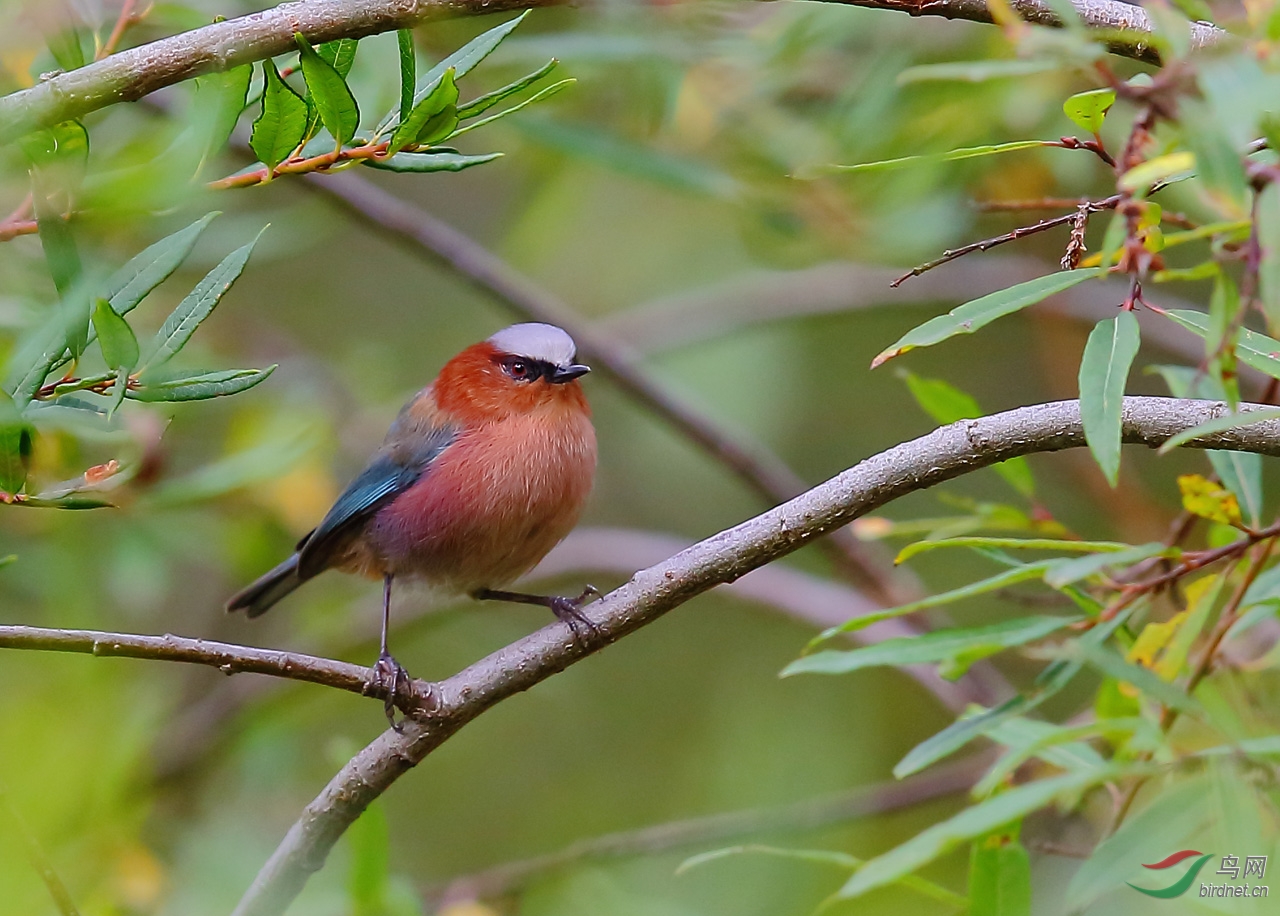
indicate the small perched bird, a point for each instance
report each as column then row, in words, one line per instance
column 481, row 474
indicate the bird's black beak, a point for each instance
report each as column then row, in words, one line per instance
column 564, row 374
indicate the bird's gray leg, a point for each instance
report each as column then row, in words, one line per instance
column 388, row 673
column 567, row 609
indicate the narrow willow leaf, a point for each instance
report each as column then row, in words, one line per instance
column 339, row 54
column 1169, row 821
column 1066, row 572
column 970, row 152
column 947, row 404
column 63, row 259
column 334, row 102
column 430, row 162
column 1218, row 424
column 1161, row 168
column 16, row 438
column 1063, row 747
column 1254, row 349
column 821, row 857
column 1146, row 680
column 1104, row 369
column 977, row 313
column 1000, row 580
column 999, row 877
column 440, row 100
column 1065, row 546
column 115, row 337
column 73, row 501
column 1268, row 229
column 1052, row 679
column 964, row 646
column 461, row 61
column 481, row 104
column 983, row 818
column 1088, row 109
column 64, row 144
column 408, row 71
column 220, row 98
column 279, row 128
column 152, row 266
column 196, row 307
column 67, row 49
column 975, row 71
column 539, row 96
column 200, row 387
column 118, row 391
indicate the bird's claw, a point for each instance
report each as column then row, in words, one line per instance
column 570, row 611
column 390, row 679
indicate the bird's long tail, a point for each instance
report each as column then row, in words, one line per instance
column 258, row 597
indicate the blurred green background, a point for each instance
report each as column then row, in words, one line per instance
column 664, row 172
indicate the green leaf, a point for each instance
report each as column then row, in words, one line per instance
column 66, row 47
column 196, row 306
column 1174, row 815
column 63, row 259
column 978, row 820
column 962, row 647
column 16, row 438
column 442, row 99
column 152, row 266
column 483, row 103
column 1161, row 168
column 999, row 877
column 200, row 387
column 115, row 337
column 220, row 98
column 920, row 547
column 1254, row 349
column 1268, row 230
column 461, row 61
column 970, row 152
column 408, row 70
column 539, row 96
column 1052, row 679
column 1146, row 680
column 430, row 162
column 822, row 857
column 977, row 313
column 1067, row 571
column 64, row 144
column 1055, row 744
column 1218, row 424
column 975, row 71
column 1002, row 579
column 334, row 102
column 1104, row 369
column 1088, row 109
column 339, row 54
column 947, row 404
column 279, row 128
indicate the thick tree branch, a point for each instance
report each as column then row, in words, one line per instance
column 129, row 75
column 942, row 455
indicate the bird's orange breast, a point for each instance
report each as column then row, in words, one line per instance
column 493, row 504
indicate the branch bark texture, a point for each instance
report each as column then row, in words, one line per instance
column 942, row 455
column 129, row 75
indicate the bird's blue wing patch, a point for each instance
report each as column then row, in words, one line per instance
column 386, row 477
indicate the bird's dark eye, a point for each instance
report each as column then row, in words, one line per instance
column 522, row 370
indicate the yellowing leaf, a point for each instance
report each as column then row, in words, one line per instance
column 1153, row 638
column 1203, row 497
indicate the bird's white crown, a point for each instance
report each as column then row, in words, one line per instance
column 533, row 340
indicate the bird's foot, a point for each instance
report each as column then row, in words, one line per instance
column 390, row 679
column 570, row 611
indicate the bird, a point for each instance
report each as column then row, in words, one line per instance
column 480, row 475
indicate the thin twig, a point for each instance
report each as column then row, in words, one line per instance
column 947, row 453
column 123, row 21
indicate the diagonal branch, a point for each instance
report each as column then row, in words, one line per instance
column 942, row 455
column 129, row 75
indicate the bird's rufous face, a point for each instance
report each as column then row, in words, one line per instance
column 484, row 382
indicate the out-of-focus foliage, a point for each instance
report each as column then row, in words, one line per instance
column 700, row 164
